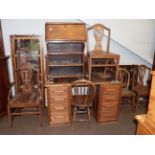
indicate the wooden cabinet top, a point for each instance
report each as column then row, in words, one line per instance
column 65, row 32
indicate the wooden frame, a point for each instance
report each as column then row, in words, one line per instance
column 20, row 38
column 66, row 43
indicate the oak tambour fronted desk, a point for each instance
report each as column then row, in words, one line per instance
column 106, row 103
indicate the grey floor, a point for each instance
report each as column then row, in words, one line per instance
column 29, row 125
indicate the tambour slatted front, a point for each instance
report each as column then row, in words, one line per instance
column 59, row 104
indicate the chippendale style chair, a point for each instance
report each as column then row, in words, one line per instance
column 27, row 100
column 82, row 100
column 124, row 78
column 141, row 83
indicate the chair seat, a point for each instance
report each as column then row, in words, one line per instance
column 127, row 92
column 24, row 100
column 142, row 90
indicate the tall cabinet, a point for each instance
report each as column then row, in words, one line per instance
column 66, row 43
column 27, row 49
column 65, row 51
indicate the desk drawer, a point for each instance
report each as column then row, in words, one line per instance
column 59, row 118
column 110, row 89
column 58, row 108
column 108, row 104
column 109, row 98
column 57, row 99
column 57, row 90
column 107, row 118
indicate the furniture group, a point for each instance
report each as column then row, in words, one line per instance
column 76, row 80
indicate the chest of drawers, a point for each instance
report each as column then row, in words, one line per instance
column 106, row 107
column 59, row 103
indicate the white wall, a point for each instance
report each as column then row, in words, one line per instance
column 24, row 26
column 136, row 35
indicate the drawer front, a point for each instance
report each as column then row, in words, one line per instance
column 109, row 109
column 58, row 108
column 57, row 90
column 109, row 98
column 110, row 89
column 66, row 32
column 108, row 104
column 107, row 118
column 59, row 118
column 57, row 100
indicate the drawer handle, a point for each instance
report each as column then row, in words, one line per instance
column 59, row 91
column 59, row 117
column 59, row 108
column 59, row 99
column 50, row 29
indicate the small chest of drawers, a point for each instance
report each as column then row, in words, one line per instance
column 106, row 107
column 59, row 103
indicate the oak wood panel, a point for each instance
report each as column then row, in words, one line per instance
column 65, row 31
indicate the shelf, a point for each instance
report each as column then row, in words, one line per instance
column 65, row 76
column 65, row 53
column 65, row 65
column 107, row 65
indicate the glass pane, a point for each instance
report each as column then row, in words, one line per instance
column 27, row 51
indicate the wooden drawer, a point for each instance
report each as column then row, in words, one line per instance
column 109, row 98
column 58, row 108
column 108, row 104
column 107, row 118
column 66, row 31
column 109, row 109
column 59, row 118
column 57, row 90
column 110, row 89
column 57, row 99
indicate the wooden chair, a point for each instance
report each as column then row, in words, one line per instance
column 99, row 31
column 83, row 93
column 27, row 100
column 124, row 77
column 141, row 83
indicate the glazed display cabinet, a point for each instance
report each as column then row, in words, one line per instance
column 27, row 49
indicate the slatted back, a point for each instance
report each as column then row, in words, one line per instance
column 83, row 93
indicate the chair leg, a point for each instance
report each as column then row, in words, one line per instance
column 133, row 104
column 90, row 118
column 73, row 121
column 137, row 103
column 10, row 118
column 40, row 116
